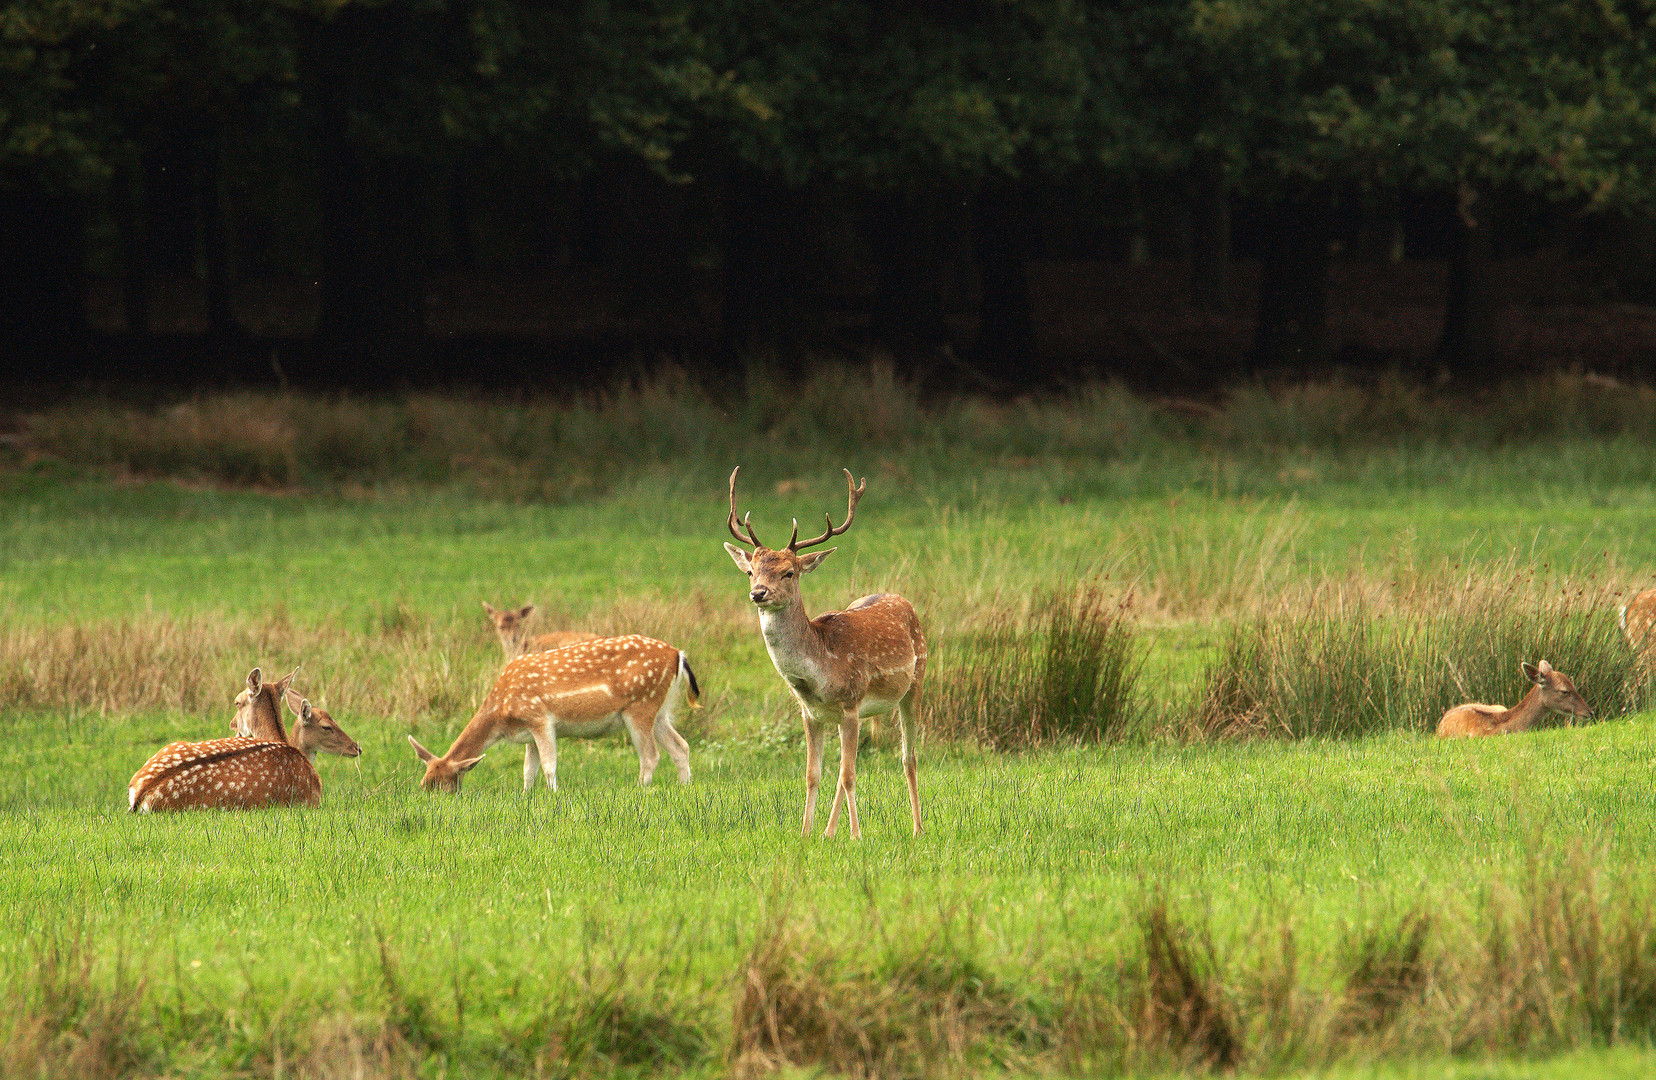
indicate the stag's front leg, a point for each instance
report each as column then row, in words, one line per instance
column 850, row 731
column 814, row 734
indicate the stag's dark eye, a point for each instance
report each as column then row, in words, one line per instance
column 787, row 573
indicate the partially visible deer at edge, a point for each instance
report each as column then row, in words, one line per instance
column 867, row 660
column 512, row 627
column 232, row 774
column 1552, row 691
column 1638, row 625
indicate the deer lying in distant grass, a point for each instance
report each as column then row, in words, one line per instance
column 842, row 665
column 581, row 691
column 513, row 630
column 1552, row 690
column 243, row 772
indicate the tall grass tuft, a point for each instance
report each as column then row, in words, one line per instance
column 1182, row 1010
column 65, row 1021
column 1068, row 673
column 1335, row 668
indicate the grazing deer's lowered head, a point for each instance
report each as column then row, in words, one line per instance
column 1551, row 691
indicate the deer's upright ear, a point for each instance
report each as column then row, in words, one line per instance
column 525, row 611
column 305, row 712
column 1533, row 673
column 282, row 685
column 810, row 560
column 490, row 608
column 422, row 752
column 739, row 557
column 255, row 682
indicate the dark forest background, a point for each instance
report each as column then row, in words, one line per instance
column 997, row 193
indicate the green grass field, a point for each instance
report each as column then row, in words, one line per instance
column 606, row 929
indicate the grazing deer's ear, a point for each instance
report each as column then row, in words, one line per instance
column 525, row 611
column 255, row 682
column 466, row 765
column 739, row 557
column 424, row 754
column 1533, row 673
column 809, row 560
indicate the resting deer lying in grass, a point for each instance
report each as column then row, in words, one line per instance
column 867, row 660
column 1552, row 690
column 581, row 691
column 513, row 630
column 238, row 773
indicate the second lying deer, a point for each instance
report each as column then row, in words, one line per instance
column 1552, row 691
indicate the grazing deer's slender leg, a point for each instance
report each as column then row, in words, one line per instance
column 814, row 735
column 911, row 765
column 667, row 738
column 547, row 742
column 531, row 766
column 640, row 720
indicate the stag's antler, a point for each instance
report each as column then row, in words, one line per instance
column 856, row 490
column 746, row 524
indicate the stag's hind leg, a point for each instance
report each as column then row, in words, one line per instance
column 907, row 712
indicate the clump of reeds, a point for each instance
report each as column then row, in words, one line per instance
column 1067, row 673
column 1334, row 667
column 65, row 1021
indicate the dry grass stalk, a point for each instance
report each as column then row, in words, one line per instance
column 1183, row 1010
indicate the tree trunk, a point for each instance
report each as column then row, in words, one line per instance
column 1210, row 237
column 907, row 313
column 42, row 272
column 1292, row 326
column 127, row 205
column 215, row 234
column 373, row 257
column 1466, row 346
column 772, row 268
column 1003, row 243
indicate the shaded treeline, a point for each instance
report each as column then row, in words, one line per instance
column 749, row 176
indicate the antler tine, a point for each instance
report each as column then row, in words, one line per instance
column 856, row 491
column 751, row 538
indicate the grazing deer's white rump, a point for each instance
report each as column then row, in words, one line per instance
column 867, row 660
column 583, row 690
column 237, row 773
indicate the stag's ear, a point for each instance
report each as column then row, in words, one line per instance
column 739, row 557
column 466, row 765
column 255, row 682
column 525, row 611
column 1533, row 673
column 809, row 560
column 424, row 754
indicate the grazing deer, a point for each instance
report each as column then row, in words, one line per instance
column 582, row 691
column 315, row 732
column 842, row 665
column 231, row 774
column 1552, row 690
column 1638, row 619
column 513, row 629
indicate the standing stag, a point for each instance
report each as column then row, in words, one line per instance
column 512, row 627
column 238, row 773
column 581, row 691
column 1552, row 690
column 867, row 660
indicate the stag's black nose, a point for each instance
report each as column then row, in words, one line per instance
column 758, row 595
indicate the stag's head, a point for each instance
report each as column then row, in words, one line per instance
column 1558, row 693
column 441, row 774
column 316, row 731
column 773, row 573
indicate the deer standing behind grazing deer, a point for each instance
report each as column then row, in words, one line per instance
column 867, row 660
column 1551, row 690
column 581, row 691
column 513, row 629
column 238, row 773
